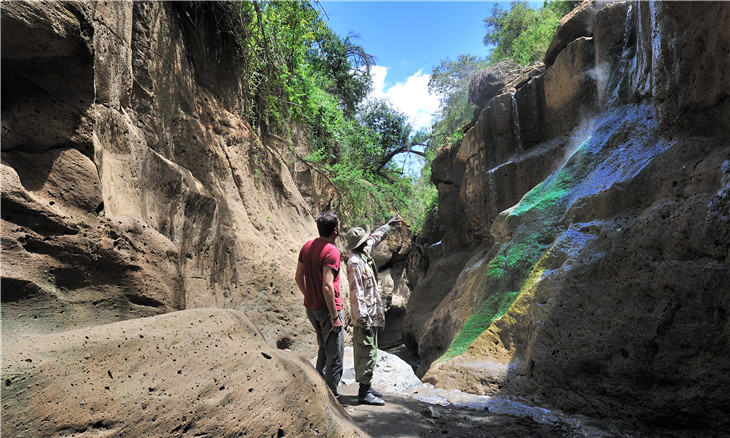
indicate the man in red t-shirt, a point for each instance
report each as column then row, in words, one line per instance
column 318, row 278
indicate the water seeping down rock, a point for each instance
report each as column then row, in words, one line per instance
column 584, row 263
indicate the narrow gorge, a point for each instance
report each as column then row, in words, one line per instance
column 579, row 260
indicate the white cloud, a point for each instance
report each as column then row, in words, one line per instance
column 410, row 97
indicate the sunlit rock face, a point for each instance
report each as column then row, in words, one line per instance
column 604, row 287
column 133, row 188
column 201, row 372
column 132, row 185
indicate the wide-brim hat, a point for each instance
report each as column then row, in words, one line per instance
column 356, row 236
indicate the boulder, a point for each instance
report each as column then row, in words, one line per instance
column 194, row 372
column 391, row 375
column 487, row 83
column 576, row 24
column 395, row 247
column 395, row 292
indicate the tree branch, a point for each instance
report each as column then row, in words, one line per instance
column 406, row 149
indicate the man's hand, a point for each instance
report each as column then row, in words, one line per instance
column 394, row 219
column 336, row 324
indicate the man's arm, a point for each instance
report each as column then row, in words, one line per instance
column 328, row 290
column 299, row 277
column 377, row 236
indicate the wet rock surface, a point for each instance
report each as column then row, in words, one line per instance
column 595, row 256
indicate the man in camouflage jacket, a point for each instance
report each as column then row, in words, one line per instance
column 366, row 307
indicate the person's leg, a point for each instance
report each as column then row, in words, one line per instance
column 365, row 357
column 321, row 357
column 361, row 347
column 376, row 336
column 334, row 350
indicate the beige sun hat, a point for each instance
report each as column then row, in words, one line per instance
column 356, row 236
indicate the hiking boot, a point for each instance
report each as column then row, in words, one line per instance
column 370, row 399
column 375, row 392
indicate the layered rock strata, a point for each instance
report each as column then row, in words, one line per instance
column 133, row 187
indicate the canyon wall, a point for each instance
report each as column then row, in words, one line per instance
column 584, row 263
column 133, row 189
column 132, row 186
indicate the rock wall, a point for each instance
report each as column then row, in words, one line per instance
column 592, row 252
column 132, row 187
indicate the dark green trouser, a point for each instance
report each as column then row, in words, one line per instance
column 365, row 349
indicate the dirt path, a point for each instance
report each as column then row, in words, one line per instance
column 406, row 416
column 424, row 411
column 410, row 418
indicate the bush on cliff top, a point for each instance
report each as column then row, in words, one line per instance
column 523, row 34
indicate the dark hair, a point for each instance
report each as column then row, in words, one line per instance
column 326, row 223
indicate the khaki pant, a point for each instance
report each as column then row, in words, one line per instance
column 331, row 347
column 365, row 351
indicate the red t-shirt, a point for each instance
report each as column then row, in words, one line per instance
column 315, row 255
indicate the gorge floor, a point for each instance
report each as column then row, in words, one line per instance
column 404, row 416
column 424, row 411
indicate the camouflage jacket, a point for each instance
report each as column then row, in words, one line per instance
column 365, row 302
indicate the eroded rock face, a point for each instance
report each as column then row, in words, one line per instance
column 603, row 287
column 580, row 22
column 132, row 185
column 194, row 372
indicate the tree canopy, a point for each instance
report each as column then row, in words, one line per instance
column 296, row 69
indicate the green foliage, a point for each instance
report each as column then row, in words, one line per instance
column 369, row 180
column 391, row 133
column 423, row 204
column 296, row 69
column 345, row 67
column 523, row 34
column 450, row 81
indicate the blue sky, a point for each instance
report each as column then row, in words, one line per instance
column 409, row 38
